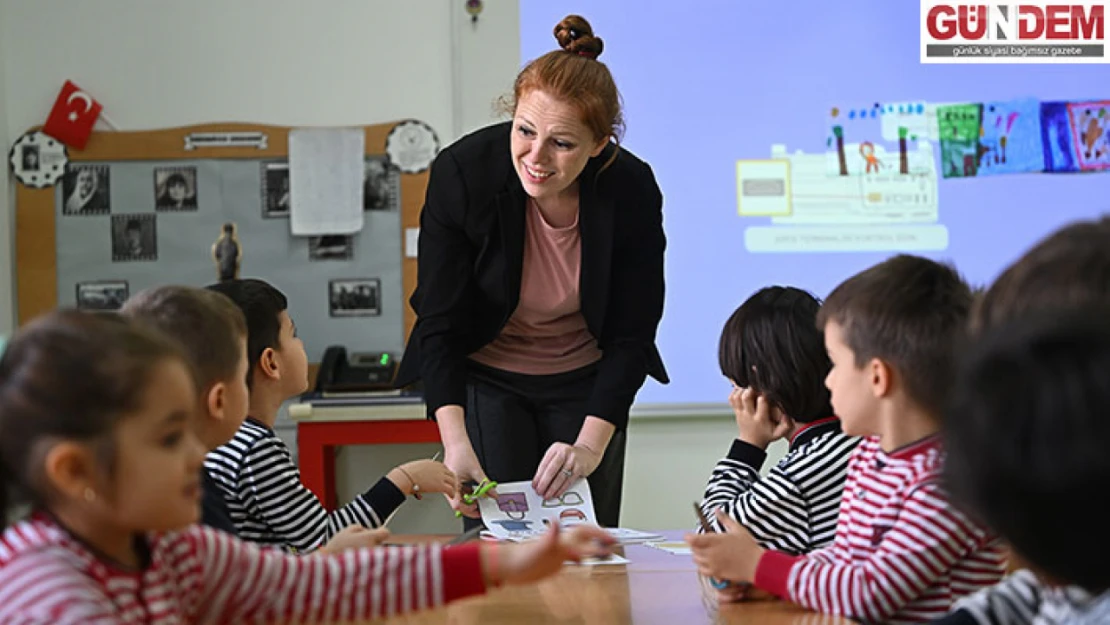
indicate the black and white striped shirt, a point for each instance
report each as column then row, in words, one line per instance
column 269, row 504
column 1020, row 599
column 794, row 508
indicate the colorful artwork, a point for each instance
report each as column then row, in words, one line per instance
column 959, row 127
column 857, row 146
column 1010, row 138
column 1090, row 133
column 1056, row 138
column 519, row 513
column 513, row 504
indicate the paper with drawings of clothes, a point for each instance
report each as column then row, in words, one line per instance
column 519, row 513
column 325, row 180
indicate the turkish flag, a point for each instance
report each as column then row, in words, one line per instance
column 72, row 118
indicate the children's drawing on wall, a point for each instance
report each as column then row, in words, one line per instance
column 1090, row 124
column 857, row 144
column 518, row 513
column 1010, row 138
column 960, row 126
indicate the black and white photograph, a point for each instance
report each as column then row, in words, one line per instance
column 331, row 247
column 275, row 190
column 30, row 158
column 355, row 297
column 102, row 294
column 380, row 185
column 175, row 188
column 86, row 190
column 134, row 237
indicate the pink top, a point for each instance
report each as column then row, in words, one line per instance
column 547, row 333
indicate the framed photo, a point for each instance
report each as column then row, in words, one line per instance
column 102, row 294
column 85, row 190
column 175, row 189
column 355, row 297
column 381, row 185
column 275, row 189
column 134, row 237
column 331, row 247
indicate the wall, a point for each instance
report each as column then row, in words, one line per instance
column 7, row 221
column 276, row 61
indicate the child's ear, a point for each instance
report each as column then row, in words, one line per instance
column 215, row 400
column 71, row 470
column 268, row 364
column 882, row 377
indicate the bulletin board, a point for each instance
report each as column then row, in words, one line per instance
column 140, row 209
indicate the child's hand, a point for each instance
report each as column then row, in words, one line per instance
column 354, row 537
column 534, row 560
column 425, row 476
column 759, row 424
column 732, row 556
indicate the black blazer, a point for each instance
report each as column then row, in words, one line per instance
column 471, row 253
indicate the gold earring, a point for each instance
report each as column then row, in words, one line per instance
column 90, row 494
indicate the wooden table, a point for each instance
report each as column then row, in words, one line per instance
column 657, row 587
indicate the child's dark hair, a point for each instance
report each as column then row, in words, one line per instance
column 1069, row 268
column 772, row 344
column 262, row 305
column 908, row 311
column 69, row 375
column 209, row 326
column 1027, row 436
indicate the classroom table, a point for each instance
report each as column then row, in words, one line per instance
column 657, row 587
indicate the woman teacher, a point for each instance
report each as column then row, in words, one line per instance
column 540, row 285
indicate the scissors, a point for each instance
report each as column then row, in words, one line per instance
column 478, row 491
column 719, row 584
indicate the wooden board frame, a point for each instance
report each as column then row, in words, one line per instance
column 36, row 251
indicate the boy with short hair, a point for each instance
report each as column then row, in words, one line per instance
column 774, row 354
column 267, row 500
column 1069, row 269
column 213, row 333
column 902, row 554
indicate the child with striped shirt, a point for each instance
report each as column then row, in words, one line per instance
column 902, row 553
column 95, row 434
column 262, row 485
column 1068, row 269
column 212, row 332
column 774, row 354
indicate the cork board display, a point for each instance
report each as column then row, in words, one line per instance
column 139, row 209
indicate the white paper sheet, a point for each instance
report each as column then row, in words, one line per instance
column 677, row 548
column 325, row 180
column 519, row 513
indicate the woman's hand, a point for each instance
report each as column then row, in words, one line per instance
column 462, row 460
column 425, row 476
column 561, row 466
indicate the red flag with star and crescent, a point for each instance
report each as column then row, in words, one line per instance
column 72, row 118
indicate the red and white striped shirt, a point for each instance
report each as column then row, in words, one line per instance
column 902, row 553
column 203, row 575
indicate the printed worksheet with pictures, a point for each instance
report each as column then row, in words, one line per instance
column 519, row 513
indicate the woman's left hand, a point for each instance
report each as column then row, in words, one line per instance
column 561, row 466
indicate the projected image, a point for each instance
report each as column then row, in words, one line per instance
column 863, row 193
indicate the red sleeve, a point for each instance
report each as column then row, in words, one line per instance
column 242, row 582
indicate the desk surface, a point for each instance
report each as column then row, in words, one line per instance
column 656, row 587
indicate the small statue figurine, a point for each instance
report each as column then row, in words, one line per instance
column 226, row 252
